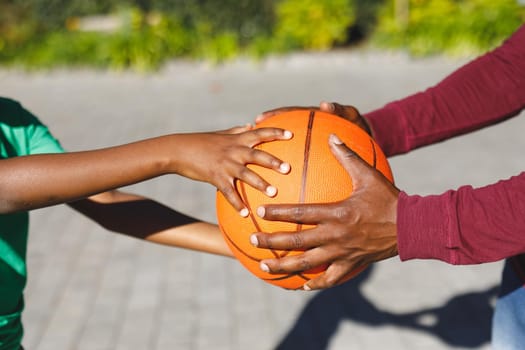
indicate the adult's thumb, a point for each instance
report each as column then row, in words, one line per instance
column 350, row 160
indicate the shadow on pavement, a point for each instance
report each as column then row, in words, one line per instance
column 464, row 321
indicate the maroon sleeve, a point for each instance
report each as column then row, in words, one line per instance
column 465, row 226
column 485, row 91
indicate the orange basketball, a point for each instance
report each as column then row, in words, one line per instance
column 315, row 177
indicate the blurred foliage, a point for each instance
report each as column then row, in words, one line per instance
column 48, row 33
column 313, row 24
column 454, row 27
column 246, row 18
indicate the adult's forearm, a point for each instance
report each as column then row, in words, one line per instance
column 485, row 91
column 467, row 226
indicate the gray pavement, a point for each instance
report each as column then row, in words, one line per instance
column 89, row 289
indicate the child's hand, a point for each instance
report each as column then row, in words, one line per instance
column 221, row 157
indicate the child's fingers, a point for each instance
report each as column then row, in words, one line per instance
column 267, row 160
column 237, row 129
column 257, row 136
column 232, row 196
column 252, row 179
column 256, row 181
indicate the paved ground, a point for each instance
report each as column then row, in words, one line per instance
column 92, row 290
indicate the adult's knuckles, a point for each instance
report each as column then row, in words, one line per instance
column 304, row 264
column 265, row 241
column 332, row 279
column 297, row 241
column 298, row 213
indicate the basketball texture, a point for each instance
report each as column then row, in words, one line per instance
column 315, row 177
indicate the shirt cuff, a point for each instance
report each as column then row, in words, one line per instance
column 388, row 126
column 426, row 227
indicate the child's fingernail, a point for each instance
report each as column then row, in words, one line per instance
column 335, row 140
column 254, row 241
column 306, row 288
column 261, row 211
column 264, row 267
column 287, row 134
column 271, row 191
column 244, row 212
column 284, row 168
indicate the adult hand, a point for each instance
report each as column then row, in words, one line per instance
column 349, row 113
column 347, row 235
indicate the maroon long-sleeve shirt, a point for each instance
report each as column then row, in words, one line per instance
column 467, row 225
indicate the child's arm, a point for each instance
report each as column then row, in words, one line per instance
column 144, row 218
column 219, row 158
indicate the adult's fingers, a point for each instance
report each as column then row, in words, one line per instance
column 310, row 214
column 349, row 113
column 350, row 160
column 270, row 113
column 333, row 275
column 300, row 240
column 295, row 263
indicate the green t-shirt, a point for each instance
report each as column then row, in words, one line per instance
column 21, row 133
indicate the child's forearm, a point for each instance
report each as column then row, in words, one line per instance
column 218, row 158
column 201, row 236
column 40, row 180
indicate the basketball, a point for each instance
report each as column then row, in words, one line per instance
column 315, row 177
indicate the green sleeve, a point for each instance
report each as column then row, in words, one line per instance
column 22, row 133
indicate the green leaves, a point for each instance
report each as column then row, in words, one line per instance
column 312, row 24
column 454, row 27
column 144, row 34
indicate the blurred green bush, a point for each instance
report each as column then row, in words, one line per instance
column 454, row 27
column 47, row 33
column 146, row 33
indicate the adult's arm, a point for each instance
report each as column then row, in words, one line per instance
column 467, row 225
column 485, row 91
column 460, row 227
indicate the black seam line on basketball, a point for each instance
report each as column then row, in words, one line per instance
column 307, row 142
column 280, row 278
column 239, row 249
column 374, row 162
column 245, row 200
column 290, row 275
column 244, row 197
